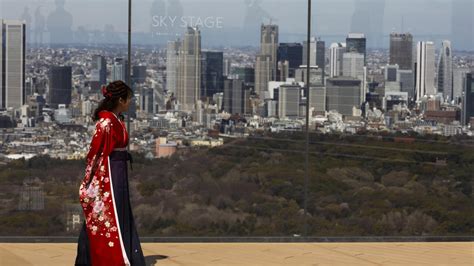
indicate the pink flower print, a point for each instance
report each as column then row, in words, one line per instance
column 99, row 205
column 92, row 191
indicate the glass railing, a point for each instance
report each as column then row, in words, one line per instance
column 218, row 123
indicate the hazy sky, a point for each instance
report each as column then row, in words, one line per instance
column 331, row 17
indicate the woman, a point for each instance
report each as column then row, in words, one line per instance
column 108, row 235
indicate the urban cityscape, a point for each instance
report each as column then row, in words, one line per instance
column 221, row 120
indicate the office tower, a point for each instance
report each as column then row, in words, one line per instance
column 283, row 70
column 407, row 82
column 317, row 52
column 120, row 70
column 247, row 74
column 468, row 101
column 425, row 70
column 459, row 77
column 343, row 94
column 445, row 70
column 401, row 50
column 172, row 53
column 12, row 70
column 289, row 101
column 353, row 65
column 227, row 67
column 262, row 74
column 99, row 69
column 212, row 73
column 317, row 98
column 293, row 53
column 189, row 70
column 337, row 51
column 269, row 46
column 138, row 74
column 60, row 86
column 147, row 100
column 392, row 79
column 234, row 96
column 391, row 73
column 357, row 43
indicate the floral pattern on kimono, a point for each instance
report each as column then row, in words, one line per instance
column 96, row 193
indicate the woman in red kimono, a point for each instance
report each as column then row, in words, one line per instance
column 108, row 235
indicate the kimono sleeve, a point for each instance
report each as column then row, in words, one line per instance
column 101, row 146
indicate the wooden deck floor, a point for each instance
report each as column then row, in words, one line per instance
column 260, row 254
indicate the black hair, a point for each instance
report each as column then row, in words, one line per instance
column 117, row 90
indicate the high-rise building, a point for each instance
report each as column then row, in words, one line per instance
column 60, row 86
column 445, row 70
column 283, row 70
column 317, row 53
column 353, row 65
column 172, row 53
column 336, row 59
column 459, row 77
column 269, row 46
column 425, row 70
column 317, row 98
column 227, row 67
column 212, row 68
column 293, row 53
column 407, row 82
column 234, row 96
column 247, row 74
column 147, row 100
column 12, row 64
column 401, row 50
column 120, row 70
column 343, row 94
column 262, row 74
column 99, row 69
column 139, row 74
column 189, row 70
column 357, row 43
column 289, row 97
column 468, row 101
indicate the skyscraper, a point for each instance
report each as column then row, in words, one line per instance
column 317, row 52
column 468, row 101
column 12, row 70
column 425, row 70
column 172, row 53
column 401, row 50
column 212, row 73
column 269, row 46
column 336, row 59
column 139, row 74
column 234, row 96
column 293, row 53
column 60, row 86
column 262, row 74
column 356, row 42
column 343, row 94
column 189, row 70
column 99, row 69
column 120, row 70
column 289, row 101
column 445, row 70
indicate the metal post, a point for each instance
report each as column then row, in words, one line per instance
column 129, row 61
column 308, row 73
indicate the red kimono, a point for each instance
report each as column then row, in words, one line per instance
column 96, row 193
